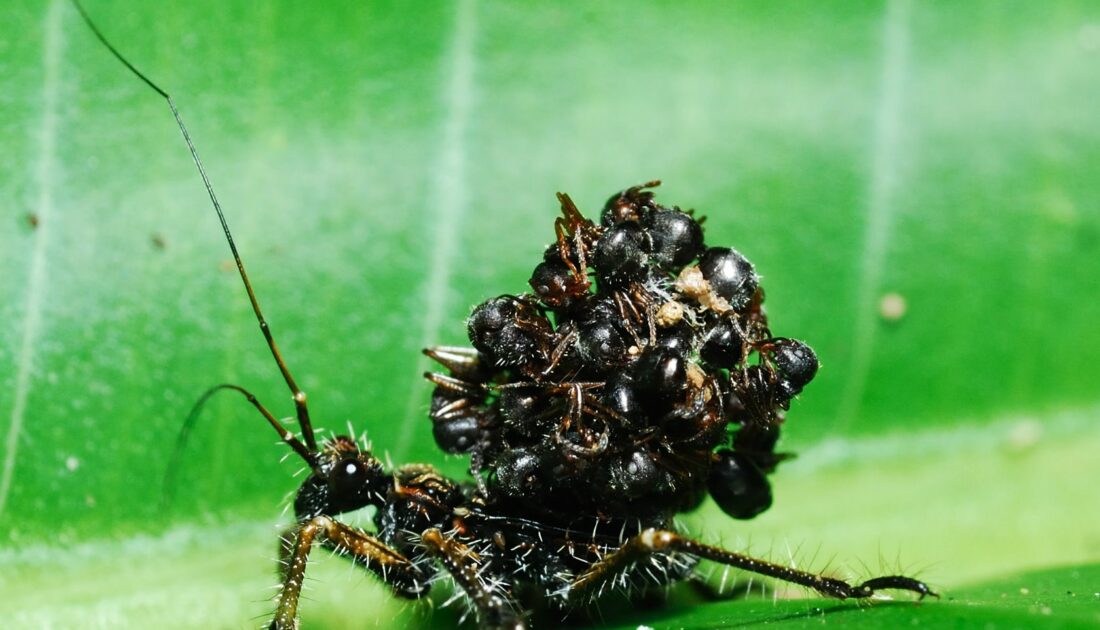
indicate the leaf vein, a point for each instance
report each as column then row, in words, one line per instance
column 46, row 174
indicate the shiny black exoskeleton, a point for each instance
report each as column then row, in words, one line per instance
column 426, row 525
column 510, row 331
column 615, row 395
column 738, row 485
column 731, row 275
column 677, row 238
column 795, row 362
column 570, row 450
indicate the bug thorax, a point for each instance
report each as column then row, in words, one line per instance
column 344, row 478
column 614, row 409
column 418, row 498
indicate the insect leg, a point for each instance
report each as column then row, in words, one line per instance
column 654, row 541
column 457, row 386
column 495, row 608
column 560, row 349
column 404, row 577
column 464, row 363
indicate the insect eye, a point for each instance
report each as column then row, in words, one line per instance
column 347, row 475
column 349, row 468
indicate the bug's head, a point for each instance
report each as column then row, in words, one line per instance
column 344, row 478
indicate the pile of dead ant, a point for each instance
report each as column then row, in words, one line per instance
column 592, row 414
column 631, row 395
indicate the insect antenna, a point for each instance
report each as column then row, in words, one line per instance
column 304, row 422
column 168, row 492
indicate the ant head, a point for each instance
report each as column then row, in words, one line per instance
column 632, row 204
column 344, row 478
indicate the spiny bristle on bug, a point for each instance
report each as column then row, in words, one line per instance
column 640, row 391
column 637, row 378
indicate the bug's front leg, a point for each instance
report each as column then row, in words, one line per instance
column 495, row 608
column 404, row 577
column 653, row 541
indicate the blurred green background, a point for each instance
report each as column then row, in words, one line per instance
column 385, row 166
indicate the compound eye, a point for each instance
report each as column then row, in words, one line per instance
column 348, row 471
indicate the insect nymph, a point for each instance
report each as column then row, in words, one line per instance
column 587, row 433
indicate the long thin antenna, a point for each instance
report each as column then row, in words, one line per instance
column 299, row 395
column 168, row 492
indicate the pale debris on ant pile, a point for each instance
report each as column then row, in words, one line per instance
column 630, row 398
column 592, row 416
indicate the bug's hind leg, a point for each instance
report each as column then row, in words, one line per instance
column 652, row 541
column 402, row 575
column 496, row 609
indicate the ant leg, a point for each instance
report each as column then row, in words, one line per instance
column 457, row 385
column 578, row 243
column 652, row 541
column 559, row 351
column 404, row 577
column 561, row 234
column 458, row 408
column 477, row 464
column 573, row 224
column 464, row 363
column 651, row 322
column 495, row 608
column 574, row 419
column 628, row 316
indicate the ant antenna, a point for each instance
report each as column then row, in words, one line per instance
column 299, row 396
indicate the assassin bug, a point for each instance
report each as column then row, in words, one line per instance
column 489, row 537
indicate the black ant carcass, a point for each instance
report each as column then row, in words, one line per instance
column 592, row 415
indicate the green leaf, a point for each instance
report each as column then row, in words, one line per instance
column 385, row 167
column 1054, row 598
column 880, row 511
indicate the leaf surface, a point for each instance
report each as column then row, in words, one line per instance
column 386, row 167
